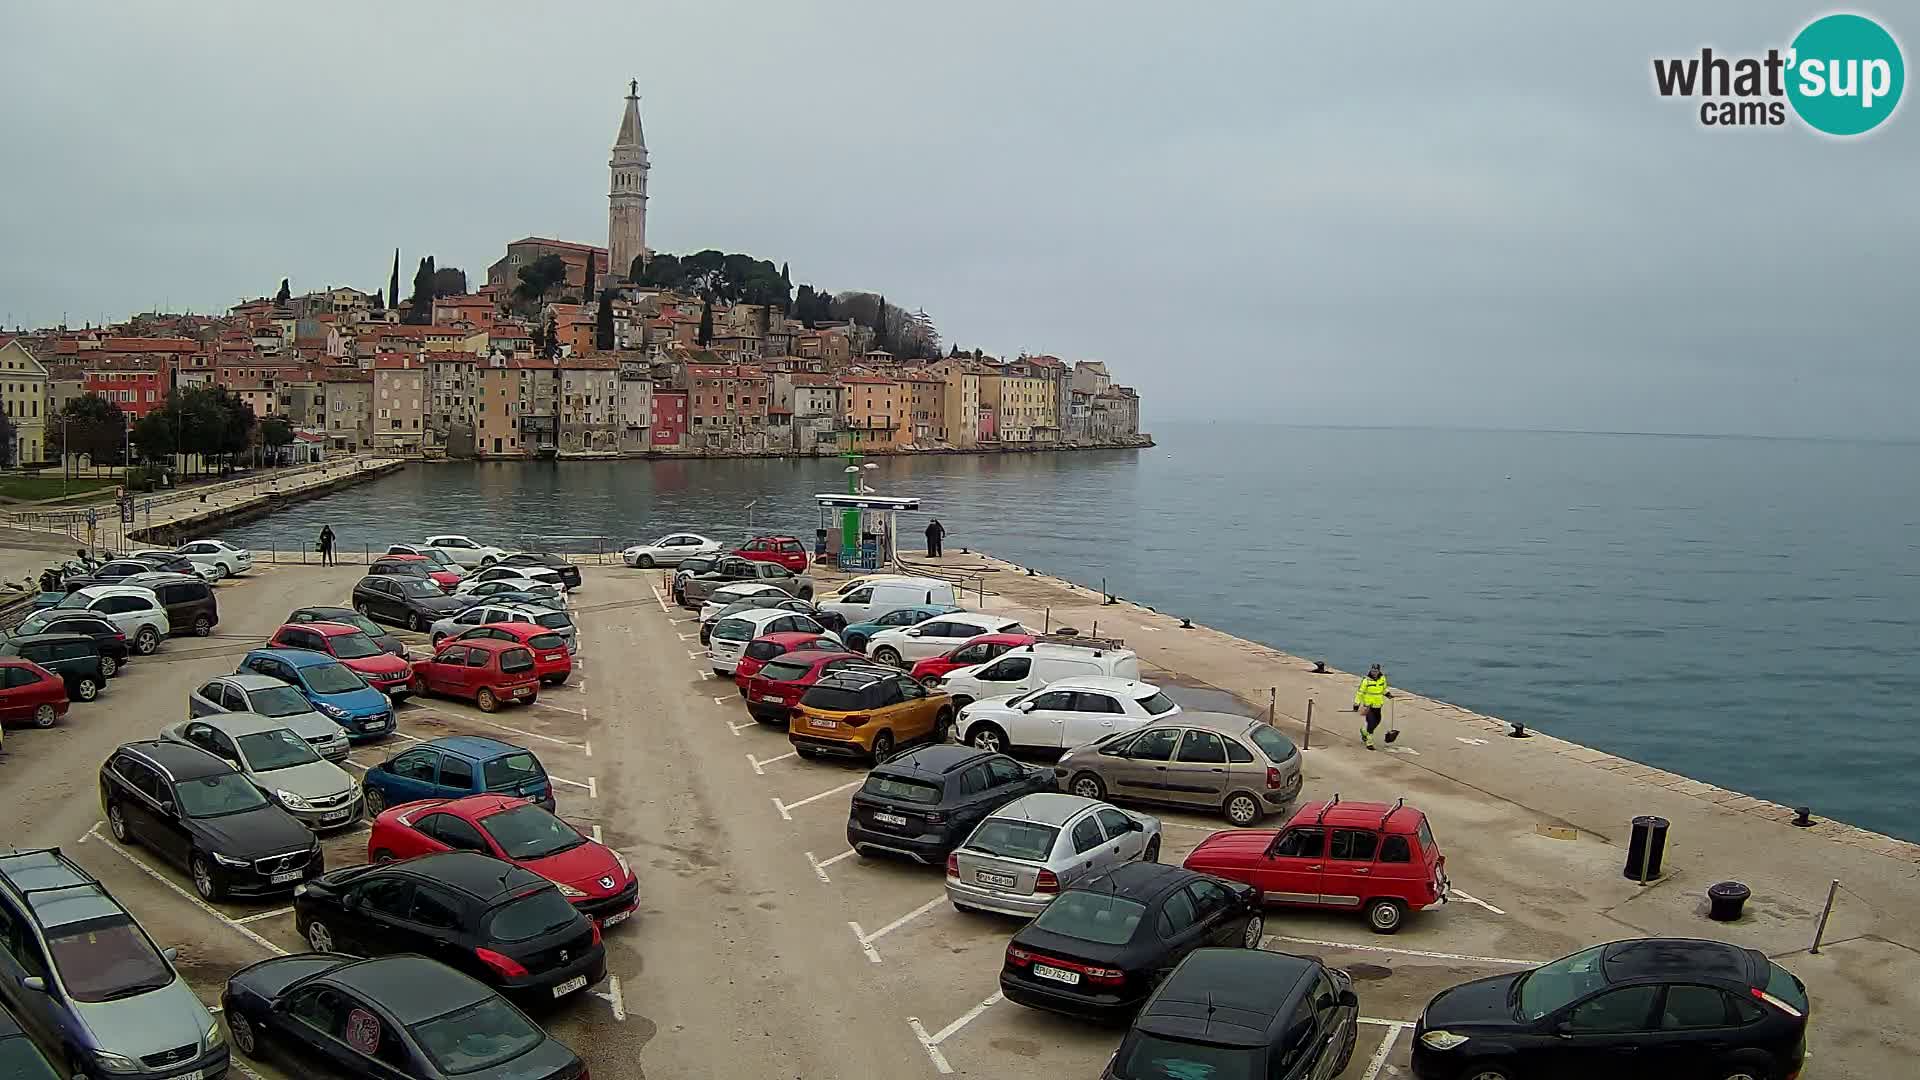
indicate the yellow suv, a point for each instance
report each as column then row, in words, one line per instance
column 866, row 712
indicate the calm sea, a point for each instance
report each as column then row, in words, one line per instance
column 1743, row 611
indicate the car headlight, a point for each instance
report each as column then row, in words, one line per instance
column 228, row 860
column 114, row 1063
column 334, row 711
column 214, row 1036
column 622, row 860
column 291, row 801
column 1442, row 1040
column 570, row 892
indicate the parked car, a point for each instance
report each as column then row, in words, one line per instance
column 281, row 763
column 595, row 879
column 111, row 572
column 30, row 694
column 1102, row 946
column 454, row 766
column 414, row 603
column 493, row 611
column 897, row 645
column 414, row 566
column 731, row 568
column 770, row 646
column 521, row 577
column 559, row 564
column 1018, row 858
column 670, row 550
column 866, row 712
column 1063, row 715
column 336, row 691
column 106, row 637
column 1218, row 761
column 435, row 556
column 202, row 815
column 223, row 559
column 1030, row 667
column 1244, row 1012
column 780, row 602
column 976, row 650
column 81, row 974
column 883, row 594
column 690, row 566
column 394, row 1016
column 391, row 675
column 387, row 640
column 167, row 561
column 487, row 673
column 266, row 696
column 1665, row 1007
column 552, row 663
column 1346, row 856
column 785, row 550
column 73, row 657
column 728, row 595
column 517, row 590
column 728, row 642
column 188, row 601
column 464, row 550
column 773, row 691
column 19, row 1057
column 925, row 802
column 136, row 611
column 859, row 633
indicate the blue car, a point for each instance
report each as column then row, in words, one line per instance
column 455, row 766
column 337, row 691
column 856, row 635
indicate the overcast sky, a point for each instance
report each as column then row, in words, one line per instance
column 1461, row 214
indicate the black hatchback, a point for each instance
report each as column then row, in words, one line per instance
column 1243, row 1012
column 500, row 923
column 1647, row 1006
column 569, row 573
column 923, row 803
column 108, row 638
column 73, row 657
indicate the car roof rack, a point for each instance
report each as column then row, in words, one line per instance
column 1070, row 636
column 1392, row 810
column 1331, row 803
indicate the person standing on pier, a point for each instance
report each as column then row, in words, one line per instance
column 936, row 532
column 1372, row 698
column 326, row 545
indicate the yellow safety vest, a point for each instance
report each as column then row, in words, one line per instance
column 1372, row 693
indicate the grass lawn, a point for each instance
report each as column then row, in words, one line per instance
column 29, row 487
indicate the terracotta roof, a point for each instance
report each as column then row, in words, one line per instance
column 136, row 344
column 565, row 245
column 395, row 363
column 805, row 378
column 868, row 379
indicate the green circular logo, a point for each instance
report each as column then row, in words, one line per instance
column 1846, row 74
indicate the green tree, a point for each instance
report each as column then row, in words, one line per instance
column 276, row 434
column 155, row 435
column 9, row 441
column 706, row 321
column 551, row 349
column 393, row 283
column 90, row 425
column 592, row 265
column 284, row 294
column 538, row 278
column 603, row 324
column 449, row 281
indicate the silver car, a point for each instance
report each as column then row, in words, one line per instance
column 1233, row 765
column 728, row 595
column 319, row 794
column 552, row 619
column 269, row 697
column 1020, row 856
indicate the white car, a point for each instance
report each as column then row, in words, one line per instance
column 1063, row 715
column 519, row 576
column 669, row 550
column 731, row 634
column 898, row 645
column 136, row 611
column 746, row 590
column 464, row 550
column 221, row 558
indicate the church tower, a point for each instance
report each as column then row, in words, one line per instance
column 627, row 194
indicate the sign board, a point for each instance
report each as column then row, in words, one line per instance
column 126, row 512
column 93, row 517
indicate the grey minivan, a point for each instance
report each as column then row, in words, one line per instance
column 1235, row 765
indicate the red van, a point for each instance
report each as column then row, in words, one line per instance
column 784, row 550
column 1346, row 856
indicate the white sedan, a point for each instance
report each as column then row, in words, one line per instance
column 465, row 550
column 669, row 550
column 218, row 556
column 1063, row 714
column 519, row 576
column 932, row 637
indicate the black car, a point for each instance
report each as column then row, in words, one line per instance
column 108, row 638
column 73, row 657
column 689, row 566
column 187, row 598
column 413, row 602
column 500, row 923
column 1243, row 1012
column 923, row 803
column 167, row 564
column 569, row 573
column 108, row 573
column 203, row 815
column 396, row 1016
column 1103, row 945
column 1647, row 1006
column 385, row 639
column 20, row 1059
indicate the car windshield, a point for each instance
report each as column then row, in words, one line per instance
column 528, row 832
column 74, row 600
column 437, row 557
column 483, row 1034
column 354, row 646
column 1092, row 916
column 1157, row 704
column 416, row 586
column 547, row 641
column 278, row 701
column 1276, row 746
column 333, row 679
column 1014, row 839
column 107, row 959
column 33, row 625
column 276, row 749
column 510, row 772
column 785, row 671
column 1566, row 980
column 553, row 620
column 531, row 915
column 733, row 630
column 218, row 796
column 832, row 698
column 1150, row 1057
column 922, row 792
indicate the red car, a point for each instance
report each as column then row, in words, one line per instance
column 489, row 673
column 391, row 675
column 976, row 650
column 594, row 877
column 446, row 579
column 30, row 694
column 552, row 664
column 775, row 689
column 784, row 550
column 767, row 646
column 1346, row 856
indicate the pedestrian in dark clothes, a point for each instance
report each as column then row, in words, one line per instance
column 935, row 533
column 326, row 545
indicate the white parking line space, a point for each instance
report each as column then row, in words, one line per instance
column 583, row 747
column 820, row 865
column 262, row 916
column 582, row 713
column 760, row 767
column 1469, row 898
column 1379, row 1059
column 1461, row 958
column 866, row 940
column 722, row 701
column 591, row 784
column 931, row 1043
column 739, row 726
column 613, row 998
column 786, row 808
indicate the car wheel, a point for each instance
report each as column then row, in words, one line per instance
column 1152, row 853
column 561, row 680
column 486, row 700
column 225, row 570
column 882, row 746
column 204, row 882
column 1256, row 929
column 1242, row 809
column 1089, row 786
column 202, row 626
column 989, row 738
column 44, row 715
column 1346, row 1049
column 383, row 855
column 806, row 594
column 241, row 1031
column 147, row 640
column 413, row 622
column 108, row 665
column 857, row 643
column 319, row 936
column 85, row 688
column 1744, row 1070
column 965, row 909
column 1485, row 1072
column 942, row 726
column 1385, row 916
column 117, row 824
column 645, row 562
column 376, row 801
column 888, row 655
column 486, row 561
column 437, row 639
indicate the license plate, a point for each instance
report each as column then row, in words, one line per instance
column 578, row 982
column 989, row 877
column 375, row 725
column 890, row 819
column 767, row 697
column 616, row 918
column 1071, row 978
column 282, row 879
column 197, row 1074
column 337, row 815
column 553, row 657
column 824, row 725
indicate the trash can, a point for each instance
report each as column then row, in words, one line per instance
column 1648, row 842
column 1724, row 900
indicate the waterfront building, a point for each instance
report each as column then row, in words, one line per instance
column 668, row 430
column 497, row 399
column 23, row 395
column 400, row 404
column 818, row 412
column 875, row 417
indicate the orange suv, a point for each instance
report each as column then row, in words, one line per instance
column 865, row 712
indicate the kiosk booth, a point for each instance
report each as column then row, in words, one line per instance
column 864, row 538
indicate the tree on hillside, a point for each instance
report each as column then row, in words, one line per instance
column 275, row 434
column 90, row 425
column 9, row 441
column 786, row 279
column 393, row 283
column 706, row 322
column 552, row 349
column 284, row 294
column 449, row 281
column 538, row 278
column 593, row 264
column 603, row 324
column 379, row 300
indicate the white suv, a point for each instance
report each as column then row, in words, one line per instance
column 136, row 611
column 1063, row 715
column 464, row 550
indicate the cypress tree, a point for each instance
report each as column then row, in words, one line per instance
column 603, row 324
column 706, row 321
column 586, row 294
column 393, row 283
column 284, row 294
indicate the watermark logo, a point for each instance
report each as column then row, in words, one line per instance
column 1842, row 75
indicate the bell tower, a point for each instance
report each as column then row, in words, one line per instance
column 627, row 190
